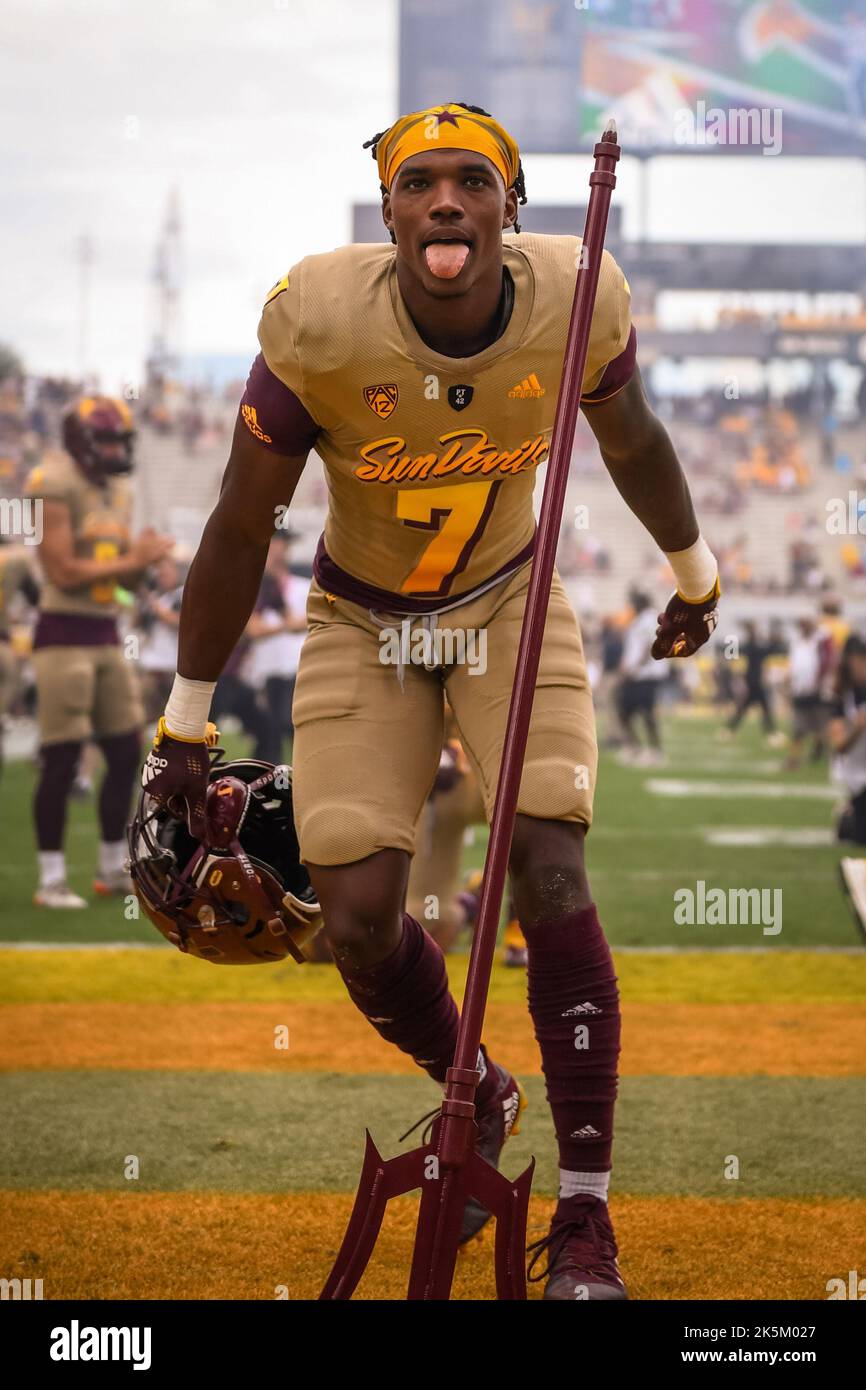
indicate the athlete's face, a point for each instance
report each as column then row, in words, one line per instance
column 447, row 200
column 111, row 450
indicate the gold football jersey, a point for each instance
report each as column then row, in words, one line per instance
column 99, row 518
column 431, row 459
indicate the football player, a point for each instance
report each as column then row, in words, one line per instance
column 16, row 575
column 426, row 373
column 85, row 688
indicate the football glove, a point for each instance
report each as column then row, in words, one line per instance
column 686, row 624
column 176, row 773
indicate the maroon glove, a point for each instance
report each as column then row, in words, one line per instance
column 686, row 625
column 176, row 775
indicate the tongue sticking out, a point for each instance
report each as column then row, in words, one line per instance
column 445, row 259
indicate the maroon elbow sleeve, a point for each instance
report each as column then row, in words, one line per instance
column 274, row 414
column 617, row 373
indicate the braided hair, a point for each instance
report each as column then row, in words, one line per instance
column 519, row 184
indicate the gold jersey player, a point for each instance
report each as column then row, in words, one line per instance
column 426, row 375
column 85, row 687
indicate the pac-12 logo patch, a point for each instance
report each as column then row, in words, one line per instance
column 460, row 396
column 381, row 398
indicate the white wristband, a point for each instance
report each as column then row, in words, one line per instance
column 695, row 570
column 186, row 713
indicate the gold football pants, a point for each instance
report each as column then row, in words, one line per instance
column 369, row 728
column 85, row 692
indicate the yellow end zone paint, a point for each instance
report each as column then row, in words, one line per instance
column 291, row 1036
column 132, row 1246
column 121, row 975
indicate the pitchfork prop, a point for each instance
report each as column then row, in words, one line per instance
column 448, row 1169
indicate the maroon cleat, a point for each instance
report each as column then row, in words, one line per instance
column 496, row 1120
column 581, row 1253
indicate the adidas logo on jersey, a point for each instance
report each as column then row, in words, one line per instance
column 579, row 1009
column 251, row 420
column 530, row 388
column 586, row 1133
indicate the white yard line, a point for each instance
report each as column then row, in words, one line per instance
column 762, row 836
column 680, row 786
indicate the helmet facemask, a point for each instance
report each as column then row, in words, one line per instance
column 243, row 898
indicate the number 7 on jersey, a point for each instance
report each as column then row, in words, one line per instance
column 466, row 509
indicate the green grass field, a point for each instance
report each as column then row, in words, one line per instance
column 643, row 847
column 150, row 1123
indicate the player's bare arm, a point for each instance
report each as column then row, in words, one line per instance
column 643, row 464
column 70, row 571
column 218, row 599
column 224, row 579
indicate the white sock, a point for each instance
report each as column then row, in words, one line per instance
column 52, row 867
column 111, row 856
column 594, row 1183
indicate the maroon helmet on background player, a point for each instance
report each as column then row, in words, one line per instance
column 98, row 432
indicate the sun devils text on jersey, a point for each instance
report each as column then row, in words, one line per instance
column 430, row 459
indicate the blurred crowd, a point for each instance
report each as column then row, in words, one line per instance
column 787, row 670
column 804, row 679
column 254, row 694
column 31, row 408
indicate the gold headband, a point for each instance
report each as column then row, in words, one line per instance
column 447, row 127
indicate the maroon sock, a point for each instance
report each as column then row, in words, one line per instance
column 122, row 755
column 574, row 1002
column 57, row 765
column 407, row 999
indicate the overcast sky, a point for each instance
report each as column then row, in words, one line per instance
column 256, row 110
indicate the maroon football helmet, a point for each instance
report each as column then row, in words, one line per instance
column 241, row 896
column 98, row 432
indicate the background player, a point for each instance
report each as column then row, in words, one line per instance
column 16, row 575
column 85, row 686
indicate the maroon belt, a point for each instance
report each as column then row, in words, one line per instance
column 335, row 580
column 75, row 630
